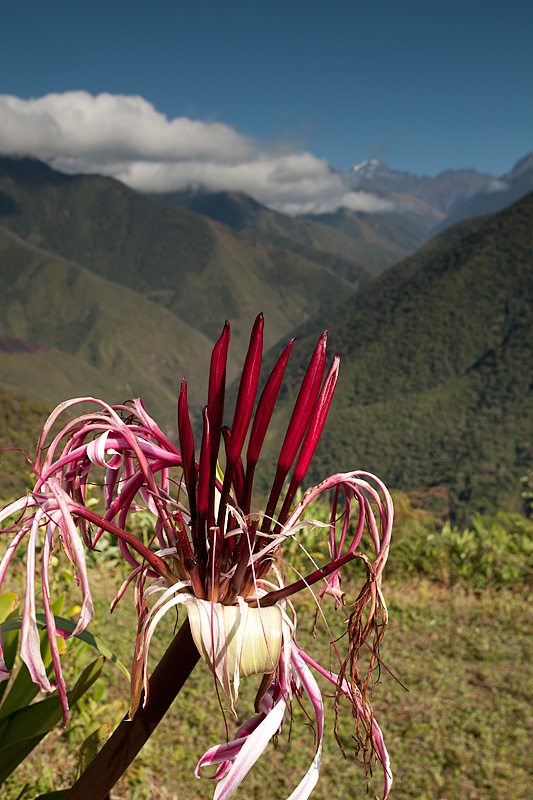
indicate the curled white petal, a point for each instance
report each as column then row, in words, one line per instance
column 96, row 452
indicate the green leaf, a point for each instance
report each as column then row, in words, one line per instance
column 68, row 626
column 16, row 742
column 8, row 603
column 92, row 745
column 10, row 643
column 23, row 689
column 57, row 605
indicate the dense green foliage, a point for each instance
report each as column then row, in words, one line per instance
column 435, row 387
column 24, row 718
column 491, row 552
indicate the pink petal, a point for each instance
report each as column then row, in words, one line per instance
column 251, row 751
column 312, row 689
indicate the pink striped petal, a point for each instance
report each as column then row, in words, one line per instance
column 252, row 749
column 312, row 689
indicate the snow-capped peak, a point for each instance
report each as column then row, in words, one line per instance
column 367, row 168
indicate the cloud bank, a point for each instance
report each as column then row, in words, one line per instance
column 125, row 137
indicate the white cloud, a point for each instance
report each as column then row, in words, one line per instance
column 126, row 138
column 496, row 185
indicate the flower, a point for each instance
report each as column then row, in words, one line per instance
column 210, row 552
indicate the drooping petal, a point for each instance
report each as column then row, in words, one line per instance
column 76, row 545
column 356, row 700
column 96, row 452
column 30, row 643
column 312, row 689
column 151, row 622
column 225, row 754
column 252, row 749
column 50, row 621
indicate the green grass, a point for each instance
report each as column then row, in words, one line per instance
column 458, row 640
column 462, row 730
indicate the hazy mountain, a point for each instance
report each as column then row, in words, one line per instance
column 437, row 355
column 195, row 268
column 456, row 194
column 367, row 246
column 442, row 192
column 383, row 238
column 436, row 383
column 497, row 194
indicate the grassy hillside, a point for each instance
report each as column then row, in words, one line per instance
column 437, row 358
column 90, row 335
column 20, row 425
column 306, row 237
column 345, row 241
column 383, row 239
column 461, row 730
column 197, row 269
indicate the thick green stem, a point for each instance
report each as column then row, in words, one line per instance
column 128, row 739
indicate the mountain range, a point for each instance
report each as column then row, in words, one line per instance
column 455, row 194
column 177, row 265
column 414, row 208
column 340, row 240
column 108, row 292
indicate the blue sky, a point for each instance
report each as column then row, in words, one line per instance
column 420, row 85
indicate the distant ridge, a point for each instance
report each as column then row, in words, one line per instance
column 496, row 195
column 368, row 244
column 192, row 267
column 441, row 192
column 456, row 193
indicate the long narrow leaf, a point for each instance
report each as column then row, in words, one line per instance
column 22, row 690
column 67, row 625
column 26, row 727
